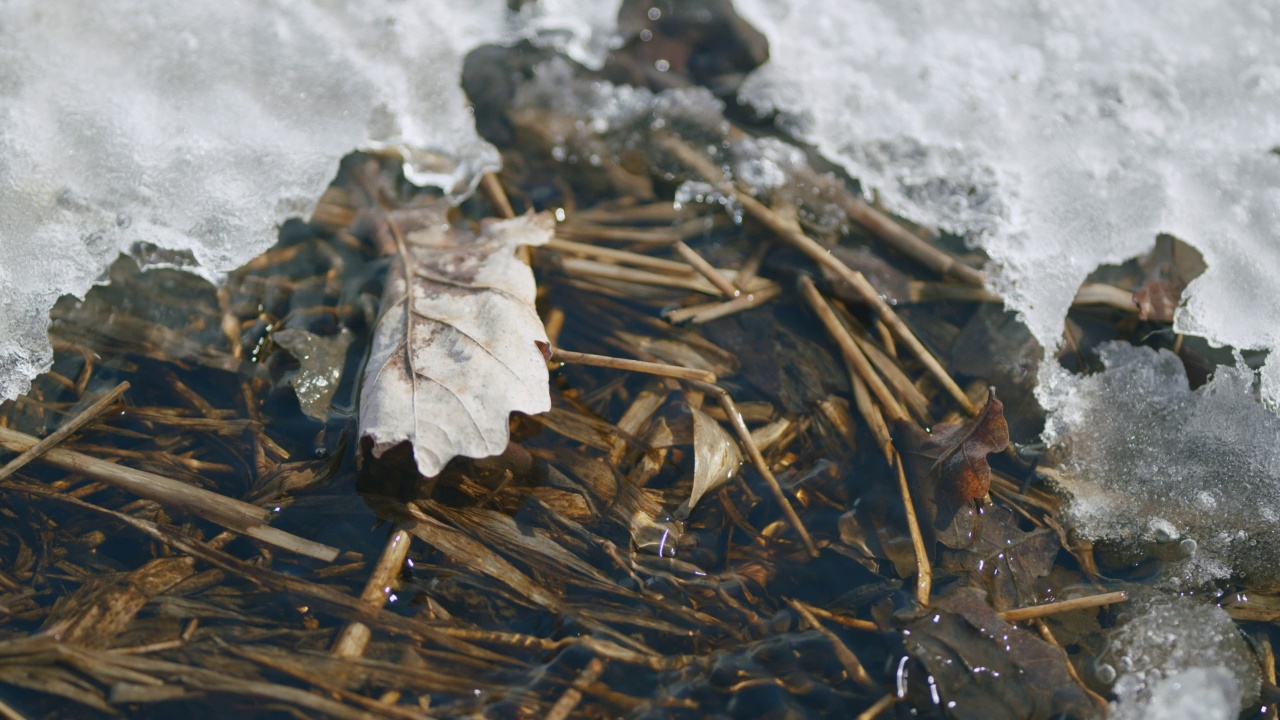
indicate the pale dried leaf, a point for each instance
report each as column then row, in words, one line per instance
column 455, row 350
column 716, row 459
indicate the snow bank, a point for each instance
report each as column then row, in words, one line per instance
column 1058, row 136
column 198, row 126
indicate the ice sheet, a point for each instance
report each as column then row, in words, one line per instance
column 1181, row 659
column 1056, row 135
column 1192, row 475
column 200, row 125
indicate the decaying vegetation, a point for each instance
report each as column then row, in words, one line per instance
column 774, row 481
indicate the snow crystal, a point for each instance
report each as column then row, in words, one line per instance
column 1152, row 464
column 1181, row 659
column 1059, row 136
column 199, row 126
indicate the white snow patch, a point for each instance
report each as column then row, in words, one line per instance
column 200, row 125
column 1058, row 136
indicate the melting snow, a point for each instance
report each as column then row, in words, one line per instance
column 199, row 126
column 1058, row 136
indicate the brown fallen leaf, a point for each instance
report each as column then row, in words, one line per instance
column 947, row 469
column 1004, row 559
column 455, row 350
column 978, row 666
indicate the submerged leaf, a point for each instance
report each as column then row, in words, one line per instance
column 947, row 469
column 716, row 458
column 455, row 350
column 1004, row 559
column 979, row 666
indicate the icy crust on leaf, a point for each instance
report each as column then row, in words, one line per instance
column 198, row 126
column 1179, row 659
column 1152, row 463
column 1059, row 136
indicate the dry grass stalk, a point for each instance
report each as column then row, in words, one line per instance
column 847, row 658
column 789, row 232
column 1100, row 701
column 1107, row 296
column 232, row 514
column 885, row 702
column 491, row 186
column 586, row 231
column 902, row 240
column 620, row 256
column 907, row 392
column 641, row 366
column 849, row 622
column 1053, row 608
column 572, row 696
column 699, row 314
column 354, row 637
column 924, row 571
column 699, row 263
column 853, row 354
column 57, row 436
column 753, row 452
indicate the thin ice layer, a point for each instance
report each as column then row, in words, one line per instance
column 1058, row 136
column 1177, row 658
column 1151, row 463
column 200, row 125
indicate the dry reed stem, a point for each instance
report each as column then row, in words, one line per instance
column 591, row 268
column 228, row 512
column 705, row 313
column 1098, row 700
column 492, row 188
column 871, row 413
column 699, row 263
column 656, row 212
column 854, row 623
column 621, row 256
column 572, row 696
column 924, row 571
column 902, row 240
column 853, row 354
column 852, row 665
column 753, row 452
column 8, row 713
column 885, row 702
column 354, row 637
column 1106, row 295
column 792, row 234
column 641, row 366
column 85, row 416
column 1053, row 608
column 583, row 231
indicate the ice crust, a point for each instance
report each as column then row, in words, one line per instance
column 1151, row 463
column 1178, row 658
column 1058, row 136
column 199, row 125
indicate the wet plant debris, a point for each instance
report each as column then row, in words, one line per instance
column 775, row 479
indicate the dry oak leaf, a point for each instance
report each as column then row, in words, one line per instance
column 947, row 469
column 455, row 348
